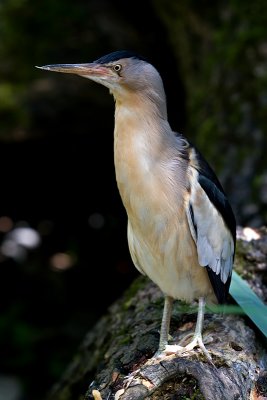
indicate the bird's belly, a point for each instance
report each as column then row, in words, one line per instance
column 166, row 253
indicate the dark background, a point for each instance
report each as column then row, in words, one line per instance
column 57, row 172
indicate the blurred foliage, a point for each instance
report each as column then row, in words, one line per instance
column 56, row 141
column 221, row 50
column 28, row 31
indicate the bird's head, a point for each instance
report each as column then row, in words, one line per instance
column 123, row 72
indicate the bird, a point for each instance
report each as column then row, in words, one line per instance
column 181, row 228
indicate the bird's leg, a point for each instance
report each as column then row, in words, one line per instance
column 165, row 323
column 164, row 333
column 197, row 338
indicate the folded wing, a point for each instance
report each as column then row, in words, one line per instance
column 212, row 224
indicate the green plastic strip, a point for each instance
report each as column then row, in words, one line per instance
column 249, row 302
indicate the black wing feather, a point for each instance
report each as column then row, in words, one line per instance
column 214, row 190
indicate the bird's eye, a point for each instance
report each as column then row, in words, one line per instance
column 117, row 67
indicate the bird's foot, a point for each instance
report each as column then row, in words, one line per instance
column 197, row 341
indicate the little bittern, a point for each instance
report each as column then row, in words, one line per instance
column 181, row 228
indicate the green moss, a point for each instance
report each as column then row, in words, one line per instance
column 125, row 339
column 129, row 294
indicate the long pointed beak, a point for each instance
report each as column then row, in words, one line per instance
column 90, row 69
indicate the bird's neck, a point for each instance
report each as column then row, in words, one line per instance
column 145, row 152
column 141, row 127
column 148, row 101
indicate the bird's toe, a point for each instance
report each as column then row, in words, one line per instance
column 173, row 349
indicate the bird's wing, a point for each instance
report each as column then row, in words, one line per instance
column 212, row 224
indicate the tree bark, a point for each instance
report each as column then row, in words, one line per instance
column 115, row 359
